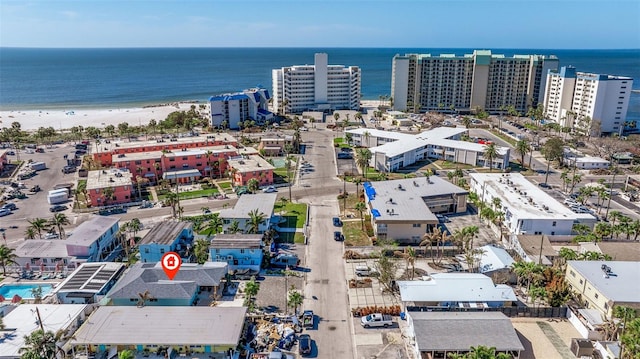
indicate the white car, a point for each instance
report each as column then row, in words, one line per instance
column 270, row 189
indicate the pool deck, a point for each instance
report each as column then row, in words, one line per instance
column 14, row 278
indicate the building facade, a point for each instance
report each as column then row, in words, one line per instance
column 95, row 240
column 239, row 251
column 109, row 187
column 167, row 236
column 422, row 82
column 261, row 203
column 587, row 102
column 232, row 110
column 243, row 169
column 316, row 87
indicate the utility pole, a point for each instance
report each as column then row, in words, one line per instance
column 541, row 244
column 613, row 180
column 40, row 320
column 344, row 195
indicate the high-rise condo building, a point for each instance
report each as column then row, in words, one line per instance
column 320, row 87
column 588, row 103
column 423, row 82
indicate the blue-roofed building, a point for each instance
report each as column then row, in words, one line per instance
column 229, row 110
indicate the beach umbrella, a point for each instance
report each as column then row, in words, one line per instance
column 16, row 299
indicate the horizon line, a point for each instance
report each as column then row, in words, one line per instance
column 305, row 47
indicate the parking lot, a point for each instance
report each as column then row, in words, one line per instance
column 35, row 204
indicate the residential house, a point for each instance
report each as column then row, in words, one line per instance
column 95, row 240
column 602, row 285
column 113, row 328
column 489, row 260
column 438, row 334
column 580, row 161
column 455, row 290
column 260, row 203
column 239, row 251
column 25, row 319
column 183, row 290
column 275, row 146
column 535, row 248
column 109, row 187
column 245, row 168
column 89, row 283
column 107, row 150
column 166, row 236
column 527, row 208
column 628, row 251
column 397, row 118
column 406, row 209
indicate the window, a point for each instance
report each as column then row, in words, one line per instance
column 572, row 273
column 580, row 280
column 161, row 250
column 553, row 224
column 417, row 225
column 595, row 295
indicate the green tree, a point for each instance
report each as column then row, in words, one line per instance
column 363, row 155
column 295, row 299
column 255, row 219
column 201, row 250
column 253, row 185
column 39, row 345
column 36, row 293
column 522, row 148
column 251, row 289
column 215, row 223
column 126, row 354
column 7, row 258
column 38, row 225
column 361, row 207
column 171, row 200
column 234, row 227
column 490, row 153
column 59, row 220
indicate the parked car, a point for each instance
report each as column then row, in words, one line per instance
column 544, row 185
column 57, row 208
column 68, row 169
column 364, row 271
column 34, row 189
column 51, row 235
column 338, row 236
column 285, row 260
column 344, row 155
column 304, row 344
column 270, row 189
column 337, row 222
column 10, row 206
column 4, row 212
column 376, row 320
column 443, row 219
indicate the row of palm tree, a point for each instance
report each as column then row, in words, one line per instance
column 53, row 225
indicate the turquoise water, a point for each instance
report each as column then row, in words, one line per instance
column 23, row 290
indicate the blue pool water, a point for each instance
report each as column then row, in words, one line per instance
column 23, row 290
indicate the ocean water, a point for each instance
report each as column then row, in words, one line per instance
column 74, row 78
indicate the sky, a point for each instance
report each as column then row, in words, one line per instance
column 559, row 24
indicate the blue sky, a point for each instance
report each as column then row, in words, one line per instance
column 570, row 24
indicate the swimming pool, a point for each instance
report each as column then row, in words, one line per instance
column 8, row 290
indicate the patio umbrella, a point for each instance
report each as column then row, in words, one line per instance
column 42, row 267
column 16, row 299
column 59, row 267
column 27, row 267
column 2, row 298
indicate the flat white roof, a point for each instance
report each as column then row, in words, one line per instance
column 455, row 287
column 120, row 325
column 42, row 248
column 619, row 285
column 202, row 151
column 23, row 321
column 396, row 148
column 90, row 231
column 379, row 133
column 515, row 192
column 213, row 137
column 112, row 177
column 442, row 132
column 263, row 202
column 253, row 163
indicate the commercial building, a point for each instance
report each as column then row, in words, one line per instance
column 24, row 319
column 404, row 210
column 191, row 280
column 424, row 82
column 392, row 150
column 437, row 334
column 602, row 285
column 245, row 168
column 455, row 290
column 109, row 187
column 239, row 251
column 318, row 87
column 232, row 110
column 582, row 162
column 527, row 208
column 89, row 283
column 261, row 203
column 152, row 330
column 166, row 236
column 587, row 102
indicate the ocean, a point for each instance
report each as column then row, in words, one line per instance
column 111, row 78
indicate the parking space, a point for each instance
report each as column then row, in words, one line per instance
column 365, row 290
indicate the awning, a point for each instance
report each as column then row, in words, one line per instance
column 375, row 213
column 149, row 174
column 181, row 174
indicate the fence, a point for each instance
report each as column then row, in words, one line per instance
column 512, row 312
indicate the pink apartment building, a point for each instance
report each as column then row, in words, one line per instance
column 245, row 168
column 119, row 181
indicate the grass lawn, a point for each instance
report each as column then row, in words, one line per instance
column 506, row 138
column 338, row 140
column 282, row 172
column 351, row 203
column 294, row 213
column 225, row 185
column 446, row 165
column 290, row 237
column 354, row 235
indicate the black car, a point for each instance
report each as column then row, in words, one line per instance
column 338, row 236
column 544, row 185
column 337, row 222
column 57, row 208
column 344, row 155
column 304, row 344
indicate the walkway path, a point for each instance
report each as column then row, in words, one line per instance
column 555, row 339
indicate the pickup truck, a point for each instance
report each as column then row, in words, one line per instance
column 376, row 320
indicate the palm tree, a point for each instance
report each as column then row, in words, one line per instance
column 363, row 155
column 59, row 220
column 336, row 116
column 39, row 345
column 490, row 153
column 143, row 298
column 253, row 185
column 234, row 227
column 255, row 219
column 214, row 224
column 251, row 289
column 361, row 207
column 522, row 148
column 7, row 258
column 30, row 233
column 172, row 200
column 134, row 226
column 38, row 225
column 201, row 250
column 126, row 354
column 36, row 293
column 411, row 257
column 295, row 299
column 107, row 195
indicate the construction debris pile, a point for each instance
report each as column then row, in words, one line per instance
column 274, row 333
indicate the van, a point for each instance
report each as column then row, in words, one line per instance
column 285, row 260
column 363, row 271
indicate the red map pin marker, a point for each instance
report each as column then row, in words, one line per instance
column 171, row 263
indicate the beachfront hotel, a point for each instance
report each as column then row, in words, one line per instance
column 425, row 82
column 572, row 98
column 320, row 87
column 232, row 110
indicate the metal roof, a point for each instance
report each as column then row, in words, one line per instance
column 236, row 240
column 455, row 287
column 165, row 232
column 90, row 231
column 91, row 277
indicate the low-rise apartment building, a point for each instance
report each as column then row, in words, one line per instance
column 392, row 150
column 602, row 285
column 404, row 210
column 261, row 203
column 239, row 251
column 109, row 187
column 232, row 110
column 275, row 146
column 95, row 240
column 166, row 236
column 245, row 168
column 527, row 208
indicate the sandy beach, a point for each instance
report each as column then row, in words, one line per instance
column 65, row 119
